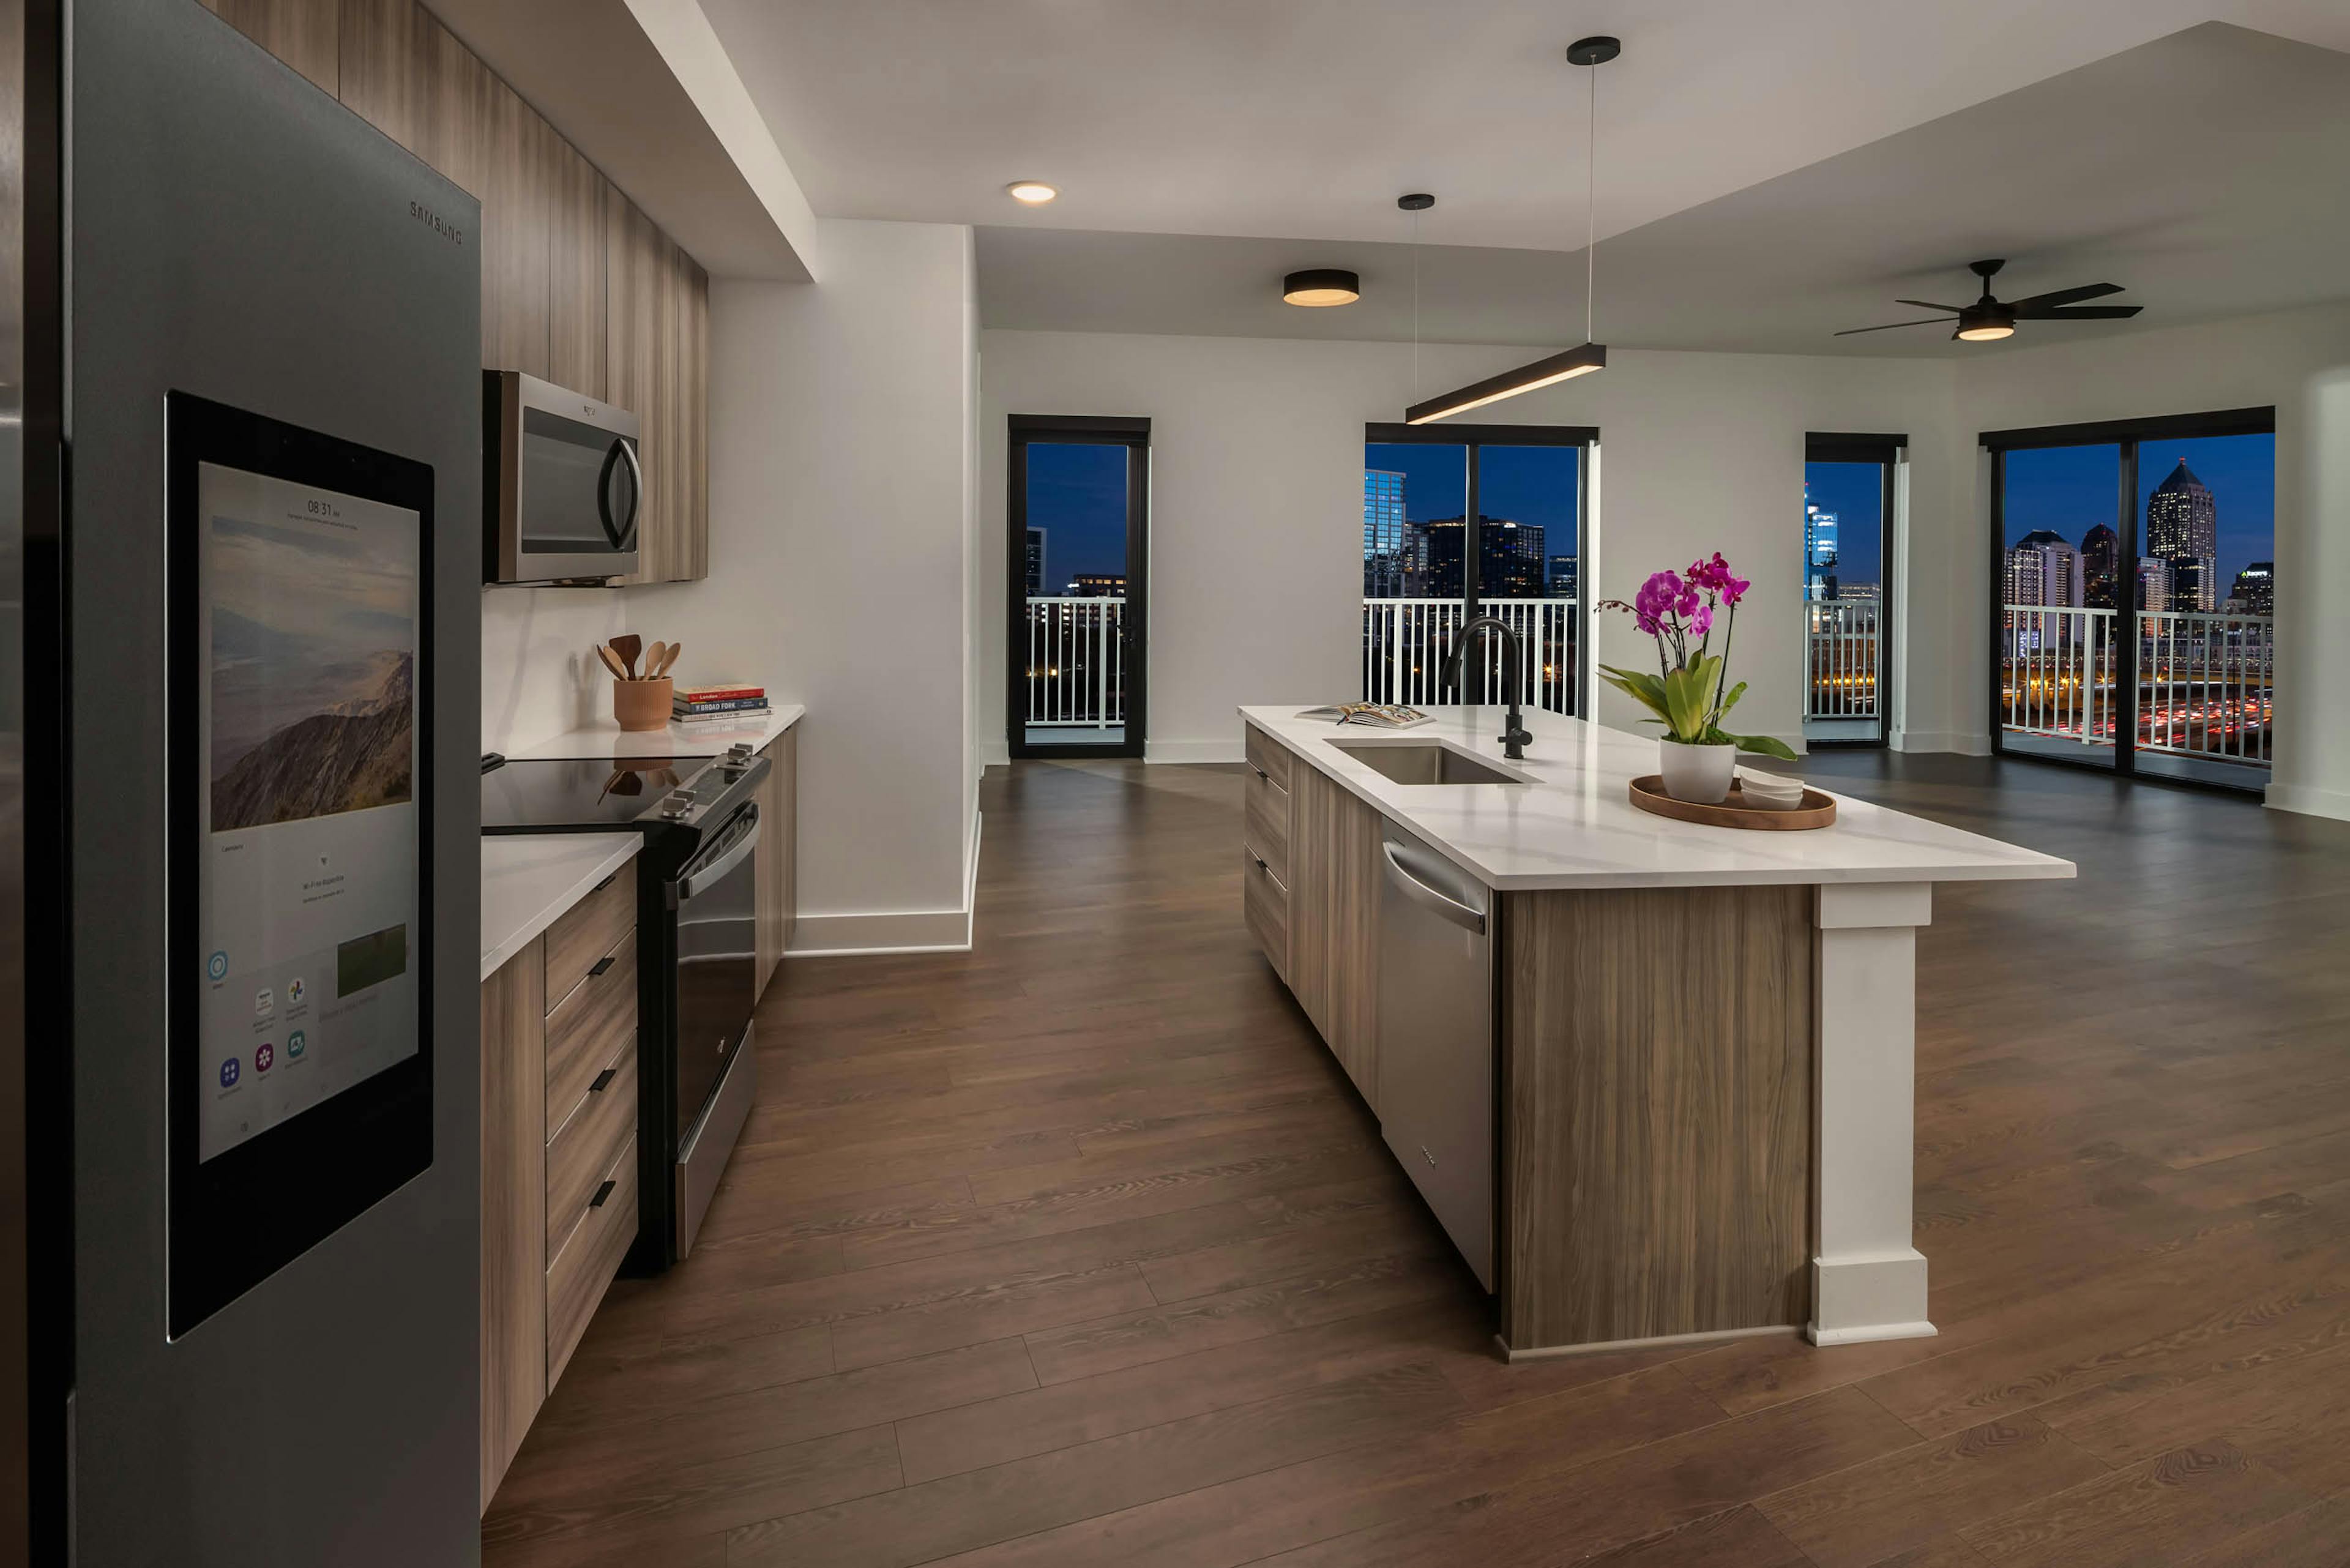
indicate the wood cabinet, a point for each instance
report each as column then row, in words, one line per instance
column 776, row 877
column 578, row 286
column 558, row 1153
column 1311, row 897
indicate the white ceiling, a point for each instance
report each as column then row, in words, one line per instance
column 1773, row 171
column 2204, row 172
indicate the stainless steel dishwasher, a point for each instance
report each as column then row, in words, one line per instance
column 1436, row 1037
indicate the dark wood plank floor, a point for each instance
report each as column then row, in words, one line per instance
column 1077, row 1250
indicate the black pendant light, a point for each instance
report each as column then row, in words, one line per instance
column 1578, row 361
column 1321, row 286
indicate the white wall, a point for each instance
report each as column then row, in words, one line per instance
column 839, row 525
column 540, row 675
column 2298, row 361
column 1256, row 501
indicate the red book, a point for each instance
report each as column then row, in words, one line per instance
column 717, row 693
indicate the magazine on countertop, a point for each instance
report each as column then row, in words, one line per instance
column 1371, row 715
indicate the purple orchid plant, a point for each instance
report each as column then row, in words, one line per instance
column 1688, row 692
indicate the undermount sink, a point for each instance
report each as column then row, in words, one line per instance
column 1422, row 763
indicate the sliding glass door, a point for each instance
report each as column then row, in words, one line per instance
column 1464, row 520
column 2134, row 595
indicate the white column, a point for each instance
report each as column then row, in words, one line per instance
column 1867, row 1281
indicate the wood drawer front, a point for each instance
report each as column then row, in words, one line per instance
column 1264, row 826
column 1266, row 904
column 595, row 1023
column 1268, row 756
column 577, row 1158
column 587, row 932
column 577, row 1280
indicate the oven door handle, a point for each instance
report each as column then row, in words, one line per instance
column 700, row 879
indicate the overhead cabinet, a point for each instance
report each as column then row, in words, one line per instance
column 579, row 286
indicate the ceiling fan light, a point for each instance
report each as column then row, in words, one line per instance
column 1321, row 286
column 1985, row 332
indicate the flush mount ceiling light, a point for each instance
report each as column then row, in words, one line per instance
column 1321, row 286
column 1592, row 355
column 1030, row 192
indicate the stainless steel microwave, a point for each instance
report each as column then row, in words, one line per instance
column 562, row 483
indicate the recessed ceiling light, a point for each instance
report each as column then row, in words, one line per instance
column 1031, row 193
column 1321, row 286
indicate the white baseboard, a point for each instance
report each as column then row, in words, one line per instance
column 2308, row 801
column 1227, row 751
column 872, row 932
column 1959, row 741
column 994, row 753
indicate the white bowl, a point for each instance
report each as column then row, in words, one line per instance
column 1772, row 791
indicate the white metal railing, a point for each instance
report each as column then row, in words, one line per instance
column 1077, row 662
column 2058, row 667
column 1840, row 659
column 2206, row 685
column 1406, row 642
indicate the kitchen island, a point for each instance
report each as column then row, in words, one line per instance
column 1668, row 1091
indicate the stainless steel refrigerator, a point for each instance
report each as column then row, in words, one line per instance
column 269, row 899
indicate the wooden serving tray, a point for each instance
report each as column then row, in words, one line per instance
column 1818, row 810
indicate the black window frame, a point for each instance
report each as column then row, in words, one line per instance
column 1472, row 543
column 2127, row 435
column 1888, row 450
column 1022, row 431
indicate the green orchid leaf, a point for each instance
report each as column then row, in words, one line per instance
column 1730, row 701
column 1763, row 746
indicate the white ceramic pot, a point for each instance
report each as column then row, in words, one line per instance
column 1697, row 775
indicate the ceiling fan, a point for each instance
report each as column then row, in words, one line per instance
column 1988, row 319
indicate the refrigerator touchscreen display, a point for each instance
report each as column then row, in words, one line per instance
column 308, row 847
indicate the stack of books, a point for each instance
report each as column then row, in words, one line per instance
column 732, row 702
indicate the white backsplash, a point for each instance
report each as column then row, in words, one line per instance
column 540, row 675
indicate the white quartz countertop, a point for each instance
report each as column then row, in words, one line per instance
column 607, row 739
column 529, row 879
column 1573, row 824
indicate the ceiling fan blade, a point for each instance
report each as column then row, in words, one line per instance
column 2040, row 302
column 1889, row 325
column 1931, row 305
column 2087, row 313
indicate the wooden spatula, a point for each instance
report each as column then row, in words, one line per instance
column 653, row 657
column 611, row 662
column 628, row 645
column 669, row 659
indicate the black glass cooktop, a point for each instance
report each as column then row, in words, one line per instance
column 552, row 793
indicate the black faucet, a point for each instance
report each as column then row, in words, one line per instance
column 1514, row 734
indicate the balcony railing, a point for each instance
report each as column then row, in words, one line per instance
column 1076, row 663
column 1840, row 659
column 2206, row 683
column 1406, row 642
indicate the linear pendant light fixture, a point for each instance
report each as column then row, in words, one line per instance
column 1579, row 361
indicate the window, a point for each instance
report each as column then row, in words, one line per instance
column 2134, row 581
column 1463, row 520
column 1846, row 564
column 1078, row 523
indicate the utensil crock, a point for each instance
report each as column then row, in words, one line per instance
column 641, row 704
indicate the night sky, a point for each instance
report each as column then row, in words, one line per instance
column 2071, row 490
column 1522, row 483
column 1077, row 494
column 1855, row 492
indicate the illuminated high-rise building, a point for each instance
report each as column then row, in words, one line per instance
column 2101, row 550
column 1819, row 550
column 2044, row 571
column 2182, row 528
column 1386, row 538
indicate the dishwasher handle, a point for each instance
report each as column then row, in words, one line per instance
column 1462, row 915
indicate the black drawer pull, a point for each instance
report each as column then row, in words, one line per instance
column 606, row 962
column 602, row 1194
column 603, row 1080
column 605, row 883
column 1261, row 772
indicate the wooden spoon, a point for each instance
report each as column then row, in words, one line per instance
column 654, row 658
column 611, row 662
column 669, row 659
column 628, row 645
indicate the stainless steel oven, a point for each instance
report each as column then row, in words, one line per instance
column 716, row 917
column 562, row 483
